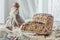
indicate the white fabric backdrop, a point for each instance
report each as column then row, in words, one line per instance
column 30, row 7
column 54, row 9
column 27, row 8
column 1, row 11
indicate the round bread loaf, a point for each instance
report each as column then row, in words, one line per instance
column 47, row 19
column 36, row 27
column 44, row 18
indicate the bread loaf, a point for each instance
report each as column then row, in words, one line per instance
column 44, row 18
column 36, row 27
column 41, row 24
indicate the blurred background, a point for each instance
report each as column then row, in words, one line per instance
column 30, row 7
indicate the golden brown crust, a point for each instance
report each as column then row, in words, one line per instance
column 35, row 27
column 44, row 18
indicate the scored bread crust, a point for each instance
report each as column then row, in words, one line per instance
column 47, row 19
column 36, row 27
column 43, row 17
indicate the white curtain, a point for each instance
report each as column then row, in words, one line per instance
column 30, row 7
column 2, row 11
column 54, row 9
column 27, row 8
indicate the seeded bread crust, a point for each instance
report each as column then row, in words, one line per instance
column 35, row 27
column 43, row 17
column 41, row 24
column 47, row 19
